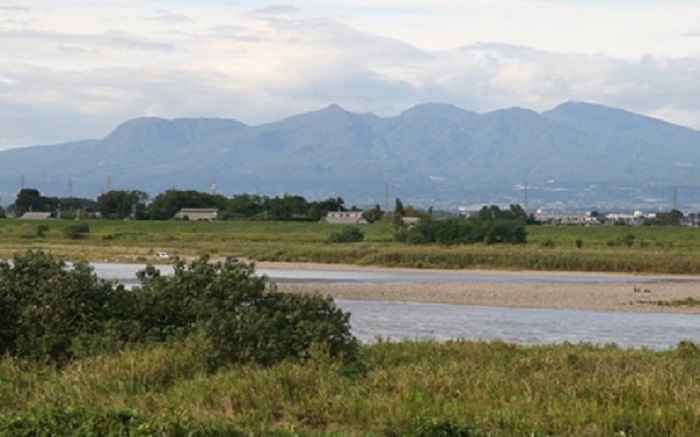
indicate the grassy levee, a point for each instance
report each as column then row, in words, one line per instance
column 476, row 388
column 674, row 250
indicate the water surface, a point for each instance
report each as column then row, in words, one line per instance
column 420, row 321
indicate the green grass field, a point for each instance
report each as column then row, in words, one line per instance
column 605, row 248
column 478, row 389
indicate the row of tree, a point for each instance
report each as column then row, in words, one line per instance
column 137, row 205
column 491, row 225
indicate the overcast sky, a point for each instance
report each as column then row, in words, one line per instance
column 74, row 70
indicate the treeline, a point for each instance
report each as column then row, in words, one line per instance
column 137, row 205
column 31, row 200
column 491, row 225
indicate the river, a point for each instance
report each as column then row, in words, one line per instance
column 420, row 321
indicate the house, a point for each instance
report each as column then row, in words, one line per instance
column 36, row 216
column 554, row 218
column 198, row 214
column 635, row 219
column 346, row 217
column 410, row 221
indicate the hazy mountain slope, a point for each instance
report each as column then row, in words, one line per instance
column 432, row 154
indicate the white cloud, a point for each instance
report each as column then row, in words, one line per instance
column 80, row 70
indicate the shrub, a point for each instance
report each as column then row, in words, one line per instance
column 55, row 312
column 47, row 305
column 468, row 231
column 426, row 427
column 627, row 240
column 75, row 232
column 243, row 316
column 349, row 234
column 41, row 231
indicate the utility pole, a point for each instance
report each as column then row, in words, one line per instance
column 69, row 188
column 386, row 196
column 675, row 197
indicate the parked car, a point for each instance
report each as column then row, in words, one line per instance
column 163, row 255
column 231, row 259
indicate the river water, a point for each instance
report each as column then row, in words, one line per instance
column 422, row 321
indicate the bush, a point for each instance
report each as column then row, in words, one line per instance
column 55, row 312
column 76, row 232
column 41, row 231
column 468, row 231
column 426, row 427
column 47, row 305
column 349, row 234
column 243, row 316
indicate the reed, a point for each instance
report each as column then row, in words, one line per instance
column 495, row 388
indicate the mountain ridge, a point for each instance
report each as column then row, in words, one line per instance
column 575, row 155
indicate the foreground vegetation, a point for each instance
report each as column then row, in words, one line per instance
column 649, row 249
column 54, row 312
column 422, row 389
column 215, row 351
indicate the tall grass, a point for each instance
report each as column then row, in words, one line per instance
column 494, row 387
column 673, row 250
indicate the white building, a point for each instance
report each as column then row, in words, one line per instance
column 346, row 217
column 556, row 218
column 198, row 214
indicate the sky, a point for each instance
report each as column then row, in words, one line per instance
column 72, row 70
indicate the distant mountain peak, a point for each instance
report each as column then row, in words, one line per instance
column 334, row 107
column 435, row 109
column 575, row 113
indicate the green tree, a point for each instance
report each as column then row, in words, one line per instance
column 121, row 204
column 30, row 199
column 245, row 206
column 491, row 226
column 287, row 207
column 399, row 208
column 374, row 214
column 319, row 209
column 670, row 218
column 166, row 205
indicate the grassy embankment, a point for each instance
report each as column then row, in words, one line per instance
column 607, row 248
column 406, row 389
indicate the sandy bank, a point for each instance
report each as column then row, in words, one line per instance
column 638, row 297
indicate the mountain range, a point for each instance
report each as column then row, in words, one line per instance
column 575, row 156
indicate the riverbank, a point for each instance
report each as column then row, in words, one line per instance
column 673, row 294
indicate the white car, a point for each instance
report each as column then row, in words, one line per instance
column 163, row 255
